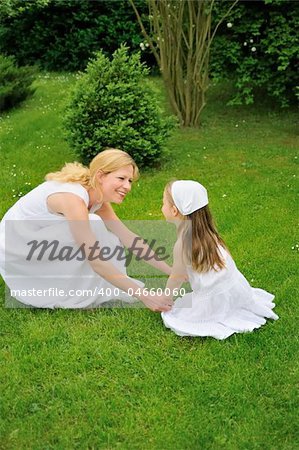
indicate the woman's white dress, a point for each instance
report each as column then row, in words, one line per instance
column 221, row 303
column 56, row 281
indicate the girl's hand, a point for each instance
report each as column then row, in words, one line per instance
column 158, row 303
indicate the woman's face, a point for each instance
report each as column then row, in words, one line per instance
column 116, row 185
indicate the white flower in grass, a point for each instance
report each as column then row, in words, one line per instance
column 251, row 41
column 224, row 195
column 229, row 25
column 245, row 44
column 253, row 49
column 142, row 46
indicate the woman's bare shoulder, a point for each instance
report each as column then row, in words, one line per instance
column 68, row 204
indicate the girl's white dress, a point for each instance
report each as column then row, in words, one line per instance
column 51, row 282
column 221, row 303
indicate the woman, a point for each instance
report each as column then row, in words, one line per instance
column 57, row 239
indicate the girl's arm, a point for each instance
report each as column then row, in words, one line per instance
column 75, row 211
column 178, row 274
column 131, row 240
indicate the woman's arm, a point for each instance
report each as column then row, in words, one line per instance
column 131, row 240
column 75, row 211
column 178, row 274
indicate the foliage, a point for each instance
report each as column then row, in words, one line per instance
column 63, row 34
column 112, row 106
column 15, row 82
column 258, row 47
column 13, row 8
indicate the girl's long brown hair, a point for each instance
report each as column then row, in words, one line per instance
column 199, row 229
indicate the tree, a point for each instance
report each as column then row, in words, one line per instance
column 180, row 39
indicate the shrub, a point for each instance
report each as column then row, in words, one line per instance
column 113, row 106
column 64, row 34
column 15, row 82
column 257, row 47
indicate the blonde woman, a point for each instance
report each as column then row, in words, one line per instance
column 61, row 242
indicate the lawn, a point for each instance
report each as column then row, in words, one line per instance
column 116, row 378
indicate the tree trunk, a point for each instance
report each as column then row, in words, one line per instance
column 180, row 39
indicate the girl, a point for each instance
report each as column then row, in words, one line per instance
column 45, row 238
column 222, row 301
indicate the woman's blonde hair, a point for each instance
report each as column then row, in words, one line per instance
column 204, row 253
column 107, row 161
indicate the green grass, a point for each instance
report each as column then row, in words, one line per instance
column 115, row 378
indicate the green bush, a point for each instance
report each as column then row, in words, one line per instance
column 64, row 34
column 257, row 46
column 15, row 82
column 113, row 106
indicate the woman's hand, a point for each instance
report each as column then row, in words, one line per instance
column 157, row 303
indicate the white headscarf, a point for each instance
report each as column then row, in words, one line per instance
column 188, row 196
